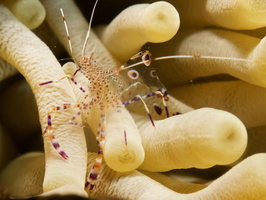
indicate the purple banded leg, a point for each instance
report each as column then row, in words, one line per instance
column 72, row 120
column 164, row 98
column 52, row 139
column 49, row 128
column 56, row 145
column 68, row 76
column 82, row 106
column 140, row 98
column 162, row 94
column 76, row 83
column 95, row 170
column 49, row 82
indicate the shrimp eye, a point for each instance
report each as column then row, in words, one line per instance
column 133, row 74
column 146, row 58
column 153, row 74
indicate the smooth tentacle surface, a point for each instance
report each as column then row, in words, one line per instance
column 20, row 47
column 244, row 181
column 218, row 138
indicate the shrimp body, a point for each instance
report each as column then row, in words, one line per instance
column 101, row 83
column 132, row 82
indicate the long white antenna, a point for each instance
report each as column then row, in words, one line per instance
column 88, row 33
column 187, row 56
column 205, row 57
column 67, row 32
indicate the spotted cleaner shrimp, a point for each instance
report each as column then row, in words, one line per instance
column 108, row 89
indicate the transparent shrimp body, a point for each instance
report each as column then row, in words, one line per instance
column 138, row 71
column 141, row 82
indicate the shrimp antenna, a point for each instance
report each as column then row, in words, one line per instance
column 204, row 57
column 189, row 56
column 67, row 32
column 89, row 30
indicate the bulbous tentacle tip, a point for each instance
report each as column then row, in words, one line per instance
column 201, row 138
column 125, row 160
column 160, row 22
column 123, row 149
column 137, row 25
column 30, row 12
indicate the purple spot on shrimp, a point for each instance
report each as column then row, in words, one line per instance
column 167, row 112
column 93, row 176
column 154, row 74
column 63, row 154
column 56, row 145
column 150, row 95
column 87, row 184
column 92, row 186
column 147, row 57
column 48, row 82
column 157, row 109
column 73, row 80
column 100, row 152
column 126, row 103
column 82, row 89
column 165, row 94
column 135, row 99
column 49, row 121
column 177, row 113
column 45, row 130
